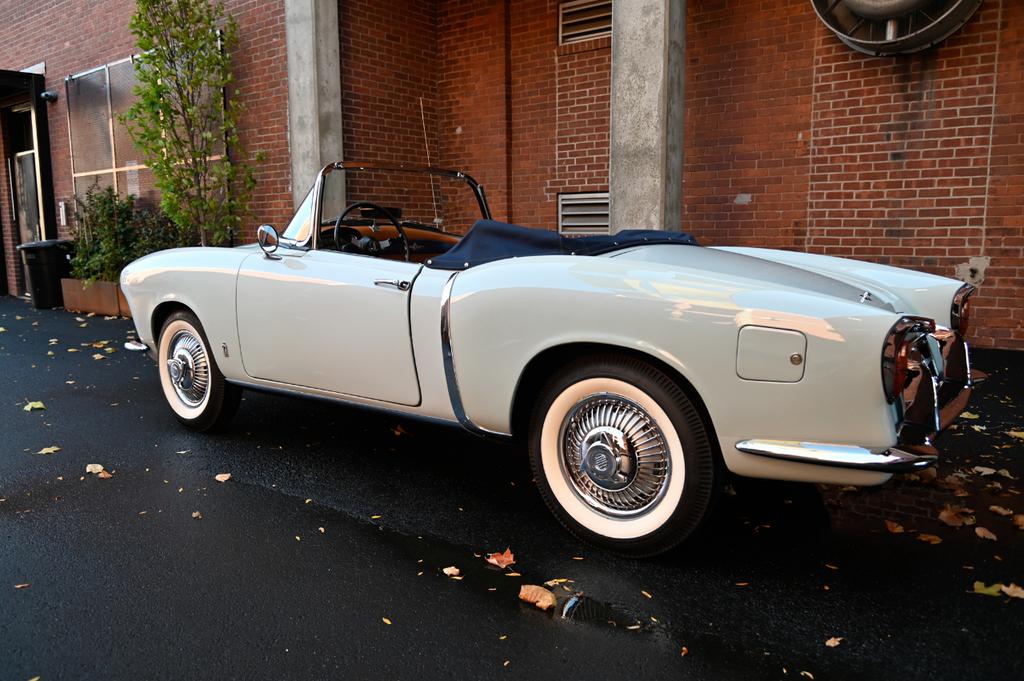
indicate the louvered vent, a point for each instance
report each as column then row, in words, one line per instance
column 580, row 214
column 584, row 20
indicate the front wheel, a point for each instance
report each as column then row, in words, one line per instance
column 194, row 387
column 622, row 456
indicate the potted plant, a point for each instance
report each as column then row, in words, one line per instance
column 111, row 232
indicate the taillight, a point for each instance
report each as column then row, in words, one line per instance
column 960, row 311
column 899, row 344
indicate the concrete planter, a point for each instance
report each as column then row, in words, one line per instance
column 99, row 297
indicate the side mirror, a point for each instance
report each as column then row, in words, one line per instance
column 267, row 238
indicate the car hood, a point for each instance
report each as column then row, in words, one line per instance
column 755, row 270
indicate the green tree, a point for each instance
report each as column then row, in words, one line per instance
column 184, row 122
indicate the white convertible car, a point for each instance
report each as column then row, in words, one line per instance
column 636, row 368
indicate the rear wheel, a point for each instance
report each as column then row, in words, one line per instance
column 622, row 456
column 194, row 387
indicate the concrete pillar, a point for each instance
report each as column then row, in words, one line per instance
column 314, row 89
column 648, row 52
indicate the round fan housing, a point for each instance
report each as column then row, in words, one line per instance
column 890, row 27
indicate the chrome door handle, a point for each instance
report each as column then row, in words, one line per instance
column 394, row 283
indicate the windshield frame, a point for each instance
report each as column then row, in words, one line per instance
column 351, row 166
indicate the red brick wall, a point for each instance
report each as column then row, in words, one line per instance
column 794, row 140
column 32, row 32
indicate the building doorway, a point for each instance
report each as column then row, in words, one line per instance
column 28, row 184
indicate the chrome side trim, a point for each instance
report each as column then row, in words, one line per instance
column 892, row 460
column 449, row 366
column 340, row 400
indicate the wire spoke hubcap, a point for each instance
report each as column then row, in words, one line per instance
column 614, row 455
column 189, row 368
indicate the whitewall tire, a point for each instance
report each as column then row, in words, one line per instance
column 192, row 384
column 622, row 456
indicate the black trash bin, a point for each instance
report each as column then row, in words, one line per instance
column 47, row 263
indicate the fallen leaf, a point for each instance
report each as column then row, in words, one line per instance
column 742, row 583
column 684, row 651
column 993, row 590
column 502, row 560
column 1005, row 473
column 512, row 574
column 222, row 477
column 556, row 582
column 94, row 468
column 72, row 349
column 968, row 415
column 452, row 571
column 1019, row 434
column 98, row 356
column 1000, row 510
column 956, row 516
column 22, row 586
column 104, row 475
column 984, row 533
column 538, row 595
column 984, row 470
column 929, row 538
column 1018, row 520
column 322, row 530
column 834, row 641
column 374, row 517
column 1012, row 590
column 49, row 450
column 197, row 515
column 577, row 557
column 646, row 594
column 893, row 527
column 385, row 620
column 807, row 675
column 3, row 330
column 34, row 406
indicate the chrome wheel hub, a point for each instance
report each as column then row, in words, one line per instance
column 188, row 368
column 614, row 455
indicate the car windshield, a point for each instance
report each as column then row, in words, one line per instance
column 435, row 200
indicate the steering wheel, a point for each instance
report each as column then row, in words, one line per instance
column 373, row 249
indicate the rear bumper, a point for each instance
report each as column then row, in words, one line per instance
column 940, row 387
column 891, row 460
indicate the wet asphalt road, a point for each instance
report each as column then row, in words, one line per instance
column 125, row 583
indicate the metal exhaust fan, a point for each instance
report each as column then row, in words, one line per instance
column 888, row 27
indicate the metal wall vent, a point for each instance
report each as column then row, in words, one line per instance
column 580, row 214
column 888, row 27
column 584, row 20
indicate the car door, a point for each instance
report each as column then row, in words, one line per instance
column 327, row 320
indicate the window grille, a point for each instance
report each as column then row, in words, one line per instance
column 102, row 153
column 580, row 214
column 584, row 20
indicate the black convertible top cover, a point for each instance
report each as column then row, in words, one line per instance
column 488, row 241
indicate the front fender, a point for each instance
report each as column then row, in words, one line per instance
column 201, row 279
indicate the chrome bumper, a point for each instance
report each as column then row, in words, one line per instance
column 941, row 384
column 891, row 460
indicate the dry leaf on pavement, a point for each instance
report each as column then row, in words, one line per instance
column 222, row 477
column 834, row 641
column 104, row 475
column 197, row 515
column 1018, row 520
column 1000, row 510
column 451, row 571
column 984, row 470
column 94, row 468
column 502, row 560
column 34, row 406
column 538, row 595
column 956, row 516
column 984, row 533
column 22, row 586
column 930, row 538
column 49, row 450
column 968, row 415
column 992, row 590
column 893, row 527
column 1012, row 590
column 385, row 620
column 1016, row 433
